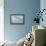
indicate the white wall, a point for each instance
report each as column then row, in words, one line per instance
column 1, row 21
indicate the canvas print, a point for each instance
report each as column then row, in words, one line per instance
column 17, row 19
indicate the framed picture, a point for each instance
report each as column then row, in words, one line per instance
column 17, row 18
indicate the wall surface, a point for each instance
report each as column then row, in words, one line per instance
column 27, row 7
column 1, row 21
column 43, row 6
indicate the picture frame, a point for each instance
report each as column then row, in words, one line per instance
column 18, row 19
